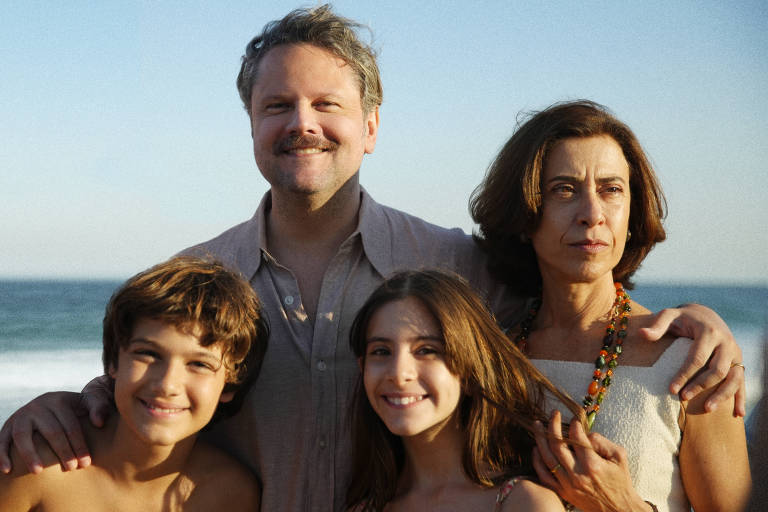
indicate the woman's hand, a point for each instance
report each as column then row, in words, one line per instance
column 591, row 474
column 55, row 416
column 714, row 348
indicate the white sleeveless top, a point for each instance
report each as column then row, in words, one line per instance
column 640, row 414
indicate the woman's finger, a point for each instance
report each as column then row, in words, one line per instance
column 557, row 446
column 543, row 472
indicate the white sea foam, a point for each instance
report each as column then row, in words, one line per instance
column 27, row 374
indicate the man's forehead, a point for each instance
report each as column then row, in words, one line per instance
column 292, row 60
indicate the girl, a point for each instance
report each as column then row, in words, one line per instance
column 444, row 415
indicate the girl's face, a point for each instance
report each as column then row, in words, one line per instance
column 406, row 379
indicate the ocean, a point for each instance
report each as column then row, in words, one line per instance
column 50, row 331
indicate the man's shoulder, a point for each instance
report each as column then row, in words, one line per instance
column 225, row 242
column 403, row 223
column 219, row 480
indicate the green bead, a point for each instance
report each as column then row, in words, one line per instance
column 622, row 334
column 617, row 349
column 587, row 401
column 612, row 363
column 600, row 362
column 591, row 418
column 600, row 397
column 607, row 381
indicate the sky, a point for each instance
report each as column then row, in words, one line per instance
column 124, row 139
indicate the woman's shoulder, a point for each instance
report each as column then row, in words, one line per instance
column 215, row 478
column 522, row 494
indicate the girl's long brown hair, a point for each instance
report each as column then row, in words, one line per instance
column 503, row 394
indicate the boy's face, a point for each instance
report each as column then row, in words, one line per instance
column 167, row 385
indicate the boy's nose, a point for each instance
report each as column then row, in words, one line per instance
column 169, row 379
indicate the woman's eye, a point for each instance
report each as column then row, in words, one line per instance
column 564, row 190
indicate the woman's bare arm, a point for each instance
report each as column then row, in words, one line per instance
column 713, row 457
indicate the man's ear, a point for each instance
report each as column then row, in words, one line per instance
column 371, row 129
column 227, row 397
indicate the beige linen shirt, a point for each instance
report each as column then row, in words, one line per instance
column 293, row 429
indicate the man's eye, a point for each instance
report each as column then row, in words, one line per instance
column 275, row 107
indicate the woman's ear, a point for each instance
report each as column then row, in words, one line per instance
column 361, row 363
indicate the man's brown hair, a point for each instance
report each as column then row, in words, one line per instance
column 320, row 27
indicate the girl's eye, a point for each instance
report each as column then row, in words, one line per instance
column 378, row 351
column 428, row 350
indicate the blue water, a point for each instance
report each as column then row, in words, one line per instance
column 50, row 331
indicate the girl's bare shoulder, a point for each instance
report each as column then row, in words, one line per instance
column 530, row 496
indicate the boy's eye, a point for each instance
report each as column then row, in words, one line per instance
column 145, row 355
column 203, row 366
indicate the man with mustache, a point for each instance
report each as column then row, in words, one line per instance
column 316, row 247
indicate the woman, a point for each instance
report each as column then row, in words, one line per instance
column 572, row 203
column 445, row 410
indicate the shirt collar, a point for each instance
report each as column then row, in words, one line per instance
column 376, row 234
column 372, row 226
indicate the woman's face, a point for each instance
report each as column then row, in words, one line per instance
column 405, row 376
column 585, row 210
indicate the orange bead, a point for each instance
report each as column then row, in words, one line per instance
column 597, row 407
column 608, row 372
column 593, row 386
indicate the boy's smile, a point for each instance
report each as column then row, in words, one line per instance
column 167, row 386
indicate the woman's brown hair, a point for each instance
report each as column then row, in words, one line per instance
column 507, row 204
column 502, row 393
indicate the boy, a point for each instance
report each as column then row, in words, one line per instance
column 183, row 342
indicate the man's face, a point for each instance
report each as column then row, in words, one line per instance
column 307, row 122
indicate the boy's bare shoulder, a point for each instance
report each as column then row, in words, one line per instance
column 24, row 490
column 217, row 480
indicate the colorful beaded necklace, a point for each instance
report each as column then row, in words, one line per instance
column 606, row 361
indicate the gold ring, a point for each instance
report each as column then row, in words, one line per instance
column 554, row 469
column 739, row 364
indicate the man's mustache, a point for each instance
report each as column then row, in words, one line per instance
column 306, row 141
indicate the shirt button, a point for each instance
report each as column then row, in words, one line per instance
column 321, row 366
column 323, row 444
column 288, row 300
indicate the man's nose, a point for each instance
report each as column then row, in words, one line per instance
column 304, row 119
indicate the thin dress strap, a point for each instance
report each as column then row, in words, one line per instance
column 506, row 490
